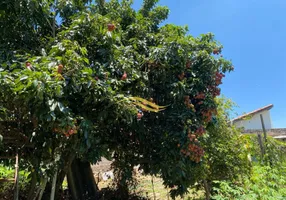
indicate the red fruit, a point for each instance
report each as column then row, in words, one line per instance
column 139, row 116
column 200, row 96
column 110, row 27
column 28, row 65
column 96, row 78
column 216, row 51
column 193, row 136
column 124, row 76
column 60, row 69
column 218, row 82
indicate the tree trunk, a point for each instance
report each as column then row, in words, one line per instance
column 62, row 174
column 81, row 182
column 33, row 184
column 60, row 178
column 207, row 190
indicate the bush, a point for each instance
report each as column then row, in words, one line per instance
column 265, row 183
column 275, row 149
column 6, row 188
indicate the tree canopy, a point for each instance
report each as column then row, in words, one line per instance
column 92, row 79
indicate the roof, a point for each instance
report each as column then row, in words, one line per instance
column 280, row 137
column 268, row 107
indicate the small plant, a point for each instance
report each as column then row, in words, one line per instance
column 265, row 183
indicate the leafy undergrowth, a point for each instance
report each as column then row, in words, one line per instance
column 6, row 188
column 145, row 189
column 266, row 183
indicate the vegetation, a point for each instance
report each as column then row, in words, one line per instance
column 267, row 177
column 265, row 183
column 118, row 64
column 84, row 79
column 6, row 188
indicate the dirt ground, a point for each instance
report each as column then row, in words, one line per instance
column 147, row 187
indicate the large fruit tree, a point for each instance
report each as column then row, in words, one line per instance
column 84, row 79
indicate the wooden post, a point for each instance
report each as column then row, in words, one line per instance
column 263, row 128
column 265, row 136
column 260, row 145
column 154, row 194
column 16, row 181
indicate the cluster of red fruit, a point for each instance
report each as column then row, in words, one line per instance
column 28, row 66
column 139, row 115
column 60, row 69
column 192, row 137
column 207, row 115
column 200, row 131
column 111, row 27
column 71, row 132
column 124, row 76
column 188, row 64
column 182, row 75
column 215, row 91
column 200, row 96
column 216, row 51
column 187, row 102
column 194, row 152
column 197, row 152
column 218, row 78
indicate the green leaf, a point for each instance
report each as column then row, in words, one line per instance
column 58, row 91
column 61, row 107
column 23, row 78
column 53, row 106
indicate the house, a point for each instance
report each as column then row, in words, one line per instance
column 252, row 120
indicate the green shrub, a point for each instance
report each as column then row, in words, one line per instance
column 7, row 172
column 266, row 183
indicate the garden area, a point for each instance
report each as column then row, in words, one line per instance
column 86, row 80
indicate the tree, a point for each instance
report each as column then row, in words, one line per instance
column 83, row 80
column 226, row 154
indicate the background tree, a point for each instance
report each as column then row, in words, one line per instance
column 226, row 153
column 74, row 83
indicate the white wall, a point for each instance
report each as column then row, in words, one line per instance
column 255, row 122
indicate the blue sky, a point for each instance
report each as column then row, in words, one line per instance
column 253, row 33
